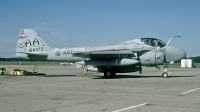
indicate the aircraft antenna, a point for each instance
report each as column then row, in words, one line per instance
column 42, row 33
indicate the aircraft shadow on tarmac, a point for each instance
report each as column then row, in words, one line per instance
column 60, row 75
column 116, row 77
column 135, row 76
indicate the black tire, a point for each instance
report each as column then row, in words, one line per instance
column 165, row 75
column 107, row 73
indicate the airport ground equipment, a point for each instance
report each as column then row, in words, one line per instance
column 24, row 72
column 2, row 71
column 19, row 72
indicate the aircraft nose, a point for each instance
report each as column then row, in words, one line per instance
column 174, row 54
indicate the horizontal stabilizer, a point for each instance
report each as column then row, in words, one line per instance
column 33, row 53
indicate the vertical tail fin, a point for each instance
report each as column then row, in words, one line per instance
column 30, row 43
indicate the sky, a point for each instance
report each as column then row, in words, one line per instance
column 77, row 23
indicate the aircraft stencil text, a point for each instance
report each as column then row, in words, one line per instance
column 30, row 43
column 36, row 49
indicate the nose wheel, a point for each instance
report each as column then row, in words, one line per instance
column 164, row 72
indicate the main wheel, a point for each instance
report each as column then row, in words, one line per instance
column 107, row 73
column 165, row 75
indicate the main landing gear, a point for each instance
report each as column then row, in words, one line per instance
column 164, row 71
column 109, row 73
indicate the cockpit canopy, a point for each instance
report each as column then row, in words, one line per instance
column 153, row 42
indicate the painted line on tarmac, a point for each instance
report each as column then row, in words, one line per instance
column 130, row 107
column 190, row 91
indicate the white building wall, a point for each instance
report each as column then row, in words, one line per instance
column 187, row 63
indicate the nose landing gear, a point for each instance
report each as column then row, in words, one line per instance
column 164, row 71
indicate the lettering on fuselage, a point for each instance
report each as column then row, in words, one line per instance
column 35, row 42
column 65, row 52
column 36, row 49
column 28, row 43
column 68, row 51
column 35, row 45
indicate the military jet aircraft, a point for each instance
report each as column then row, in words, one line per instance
column 110, row 59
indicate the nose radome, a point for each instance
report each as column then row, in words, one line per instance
column 174, row 54
column 182, row 54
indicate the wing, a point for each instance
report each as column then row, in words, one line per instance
column 122, row 53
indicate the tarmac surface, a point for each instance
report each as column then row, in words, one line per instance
column 64, row 89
